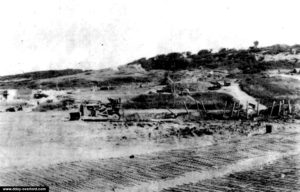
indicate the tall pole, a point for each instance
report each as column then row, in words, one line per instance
column 225, row 107
column 238, row 111
column 247, row 110
column 279, row 110
column 198, row 109
column 203, row 106
column 232, row 109
column 172, row 112
column 272, row 108
column 187, row 111
column 257, row 108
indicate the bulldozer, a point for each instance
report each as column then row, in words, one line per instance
column 91, row 111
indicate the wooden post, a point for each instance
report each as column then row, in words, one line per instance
column 279, row 110
column 198, row 109
column 172, row 112
column 238, row 112
column 247, row 110
column 174, row 89
column 257, row 108
column 187, row 111
column 272, row 108
column 290, row 109
column 282, row 107
column 225, row 108
column 203, row 106
column 232, row 109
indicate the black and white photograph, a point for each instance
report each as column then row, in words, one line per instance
column 150, row 96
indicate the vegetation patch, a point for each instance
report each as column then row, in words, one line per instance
column 269, row 89
column 243, row 59
column 211, row 101
column 115, row 81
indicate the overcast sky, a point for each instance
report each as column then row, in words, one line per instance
column 57, row 34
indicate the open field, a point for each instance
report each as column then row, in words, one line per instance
column 46, row 149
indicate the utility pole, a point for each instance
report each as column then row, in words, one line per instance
column 290, row 109
column 187, row 111
column 257, row 108
column 272, row 108
column 232, row 109
column 198, row 109
column 238, row 111
column 225, row 108
column 203, row 106
column 247, row 110
column 279, row 110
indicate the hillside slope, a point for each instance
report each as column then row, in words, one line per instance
column 40, row 75
column 197, row 73
column 248, row 61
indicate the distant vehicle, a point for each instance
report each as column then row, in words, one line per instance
column 216, row 86
column 227, row 83
column 39, row 94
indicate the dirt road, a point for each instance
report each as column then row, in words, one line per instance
column 288, row 76
column 235, row 91
column 229, row 163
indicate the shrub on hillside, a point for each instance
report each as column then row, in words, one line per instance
column 232, row 58
column 266, row 89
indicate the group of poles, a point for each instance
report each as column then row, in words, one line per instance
column 283, row 106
